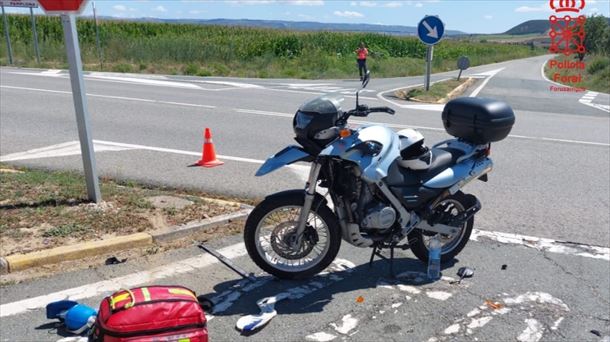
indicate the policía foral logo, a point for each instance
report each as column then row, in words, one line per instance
column 567, row 33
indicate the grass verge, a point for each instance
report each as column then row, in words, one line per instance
column 595, row 76
column 439, row 92
column 44, row 209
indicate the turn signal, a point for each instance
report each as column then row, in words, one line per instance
column 345, row 133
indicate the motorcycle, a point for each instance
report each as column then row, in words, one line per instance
column 382, row 186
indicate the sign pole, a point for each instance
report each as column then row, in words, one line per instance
column 428, row 66
column 80, row 106
column 35, row 35
column 8, row 38
column 97, row 38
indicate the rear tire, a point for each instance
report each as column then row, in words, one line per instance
column 292, row 199
column 417, row 237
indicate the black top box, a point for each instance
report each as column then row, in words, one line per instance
column 478, row 120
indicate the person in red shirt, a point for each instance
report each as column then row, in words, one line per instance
column 362, row 52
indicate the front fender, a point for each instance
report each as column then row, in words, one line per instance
column 284, row 157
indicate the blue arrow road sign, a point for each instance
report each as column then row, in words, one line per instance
column 430, row 30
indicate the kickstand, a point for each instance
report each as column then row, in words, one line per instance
column 377, row 252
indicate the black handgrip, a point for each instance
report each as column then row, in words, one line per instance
column 382, row 109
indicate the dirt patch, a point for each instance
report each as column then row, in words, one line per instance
column 439, row 92
column 44, row 209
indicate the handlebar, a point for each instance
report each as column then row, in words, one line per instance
column 364, row 110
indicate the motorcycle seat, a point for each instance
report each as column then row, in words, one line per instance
column 442, row 158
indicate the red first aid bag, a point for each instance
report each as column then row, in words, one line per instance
column 153, row 313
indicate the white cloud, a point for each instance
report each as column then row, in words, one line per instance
column 488, row 16
column 527, row 9
column 419, row 4
column 306, row 2
column 120, row 8
column 160, row 9
column 368, row 3
column 392, row 4
column 195, row 12
column 348, row 14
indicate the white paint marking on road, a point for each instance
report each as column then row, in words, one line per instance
column 439, row 295
column 556, row 323
column 544, row 244
column 452, row 329
column 489, row 75
column 235, row 84
column 533, row 331
column 287, row 115
column 320, row 337
column 396, row 305
column 588, row 98
column 145, row 81
column 109, row 286
column 484, row 314
column 114, row 97
column 347, row 324
column 60, row 150
column 430, row 107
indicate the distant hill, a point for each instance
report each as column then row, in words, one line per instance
column 298, row 25
column 539, row 26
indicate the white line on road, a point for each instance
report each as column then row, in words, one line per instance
column 489, row 75
column 106, row 287
column 588, row 98
column 113, row 97
column 287, row 115
column 237, row 250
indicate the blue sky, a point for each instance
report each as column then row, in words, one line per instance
column 468, row 16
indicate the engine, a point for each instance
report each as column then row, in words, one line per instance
column 379, row 217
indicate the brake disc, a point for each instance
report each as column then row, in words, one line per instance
column 284, row 237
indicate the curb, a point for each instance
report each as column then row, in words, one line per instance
column 181, row 231
column 20, row 262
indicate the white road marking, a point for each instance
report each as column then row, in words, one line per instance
column 113, row 97
column 347, row 324
column 320, row 337
column 430, row 107
column 533, row 332
column 588, row 98
column 144, row 81
column 478, row 318
column 439, row 295
column 287, row 115
column 235, row 84
column 109, row 286
column 60, row 150
column 489, row 75
column 544, row 244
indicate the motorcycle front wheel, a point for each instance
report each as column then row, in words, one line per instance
column 270, row 233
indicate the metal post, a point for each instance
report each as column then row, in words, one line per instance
column 8, row 38
column 459, row 75
column 100, row 53
column 35, row 35
column 80, row 106
column 428, row 66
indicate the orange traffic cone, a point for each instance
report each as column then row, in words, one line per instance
column 208, row 155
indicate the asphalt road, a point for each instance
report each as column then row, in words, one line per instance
column 550, row 180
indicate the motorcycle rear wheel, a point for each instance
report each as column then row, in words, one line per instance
column 451, row 245
column 271, row 226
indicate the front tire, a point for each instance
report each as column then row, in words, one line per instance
column 451, row 245
column 270, row 225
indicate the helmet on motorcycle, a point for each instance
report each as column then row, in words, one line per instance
column 314, row 116
column 414, row 154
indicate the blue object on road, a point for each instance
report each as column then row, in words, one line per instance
column 59, row 308
column 430, row 30
column 79, row 318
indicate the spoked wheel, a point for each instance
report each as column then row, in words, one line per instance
column 452, row 244
column 271, row 237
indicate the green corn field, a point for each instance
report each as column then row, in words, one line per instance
column 237, row 51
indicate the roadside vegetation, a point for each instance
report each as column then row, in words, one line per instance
column 42, row 209
column 247, row 52
column 439, row 92
column 596, row 75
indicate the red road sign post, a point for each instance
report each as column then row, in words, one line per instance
column 68, row 9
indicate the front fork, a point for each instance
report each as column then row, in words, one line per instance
column 310, row 192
